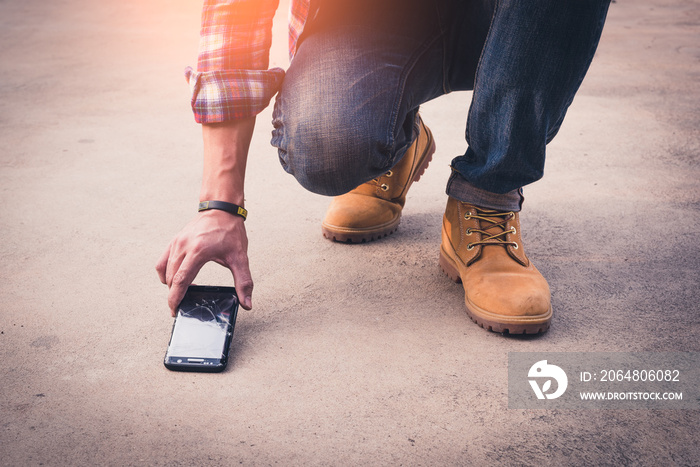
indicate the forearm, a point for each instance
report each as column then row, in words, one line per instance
column 226, row 148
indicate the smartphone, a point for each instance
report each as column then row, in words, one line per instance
column 203, row 329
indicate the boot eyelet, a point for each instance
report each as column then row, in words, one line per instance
column 515, row 246
column 469, row 232
column 389, row 173
column 468, row 216
column 384, row 187
column 470, row 247
column 513, row 231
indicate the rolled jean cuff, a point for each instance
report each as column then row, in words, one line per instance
column 460, row 189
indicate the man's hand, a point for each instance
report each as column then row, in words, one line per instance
column 214, row 235
column 211, row 236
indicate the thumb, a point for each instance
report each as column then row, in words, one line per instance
column 244, row 282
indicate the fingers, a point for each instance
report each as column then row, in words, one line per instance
column 177, row 254
column 168, row 267
column 162, row 265
column 181, row 280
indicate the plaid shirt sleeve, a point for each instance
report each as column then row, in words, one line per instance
column 232, row 80
column 299, row 12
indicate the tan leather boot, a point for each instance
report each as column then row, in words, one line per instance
column 483, row 249
column 373, row 209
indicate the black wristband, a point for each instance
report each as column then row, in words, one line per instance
column 230, row 208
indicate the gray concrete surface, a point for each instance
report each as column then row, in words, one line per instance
column 352, row 354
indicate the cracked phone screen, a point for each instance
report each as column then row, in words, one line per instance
column 201, row 326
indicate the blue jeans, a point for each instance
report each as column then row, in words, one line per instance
column 347, row 109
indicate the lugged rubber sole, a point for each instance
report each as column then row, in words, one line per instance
column 490, row 321
column 338, row 234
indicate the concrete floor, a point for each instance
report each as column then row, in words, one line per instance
column 352, row 354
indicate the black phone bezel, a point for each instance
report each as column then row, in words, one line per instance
column 205, row 365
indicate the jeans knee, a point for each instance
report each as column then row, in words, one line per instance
column 329, row 156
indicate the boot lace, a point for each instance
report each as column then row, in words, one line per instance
column 383, row 186
column 492, row 227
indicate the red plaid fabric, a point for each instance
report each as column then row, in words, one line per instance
column 232, row 80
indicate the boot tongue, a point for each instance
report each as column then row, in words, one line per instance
column 493, row 225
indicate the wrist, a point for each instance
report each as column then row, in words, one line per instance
column 230, row 208
column 222, row 187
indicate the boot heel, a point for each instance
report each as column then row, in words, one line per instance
column 448, row 268
column 430, row 151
